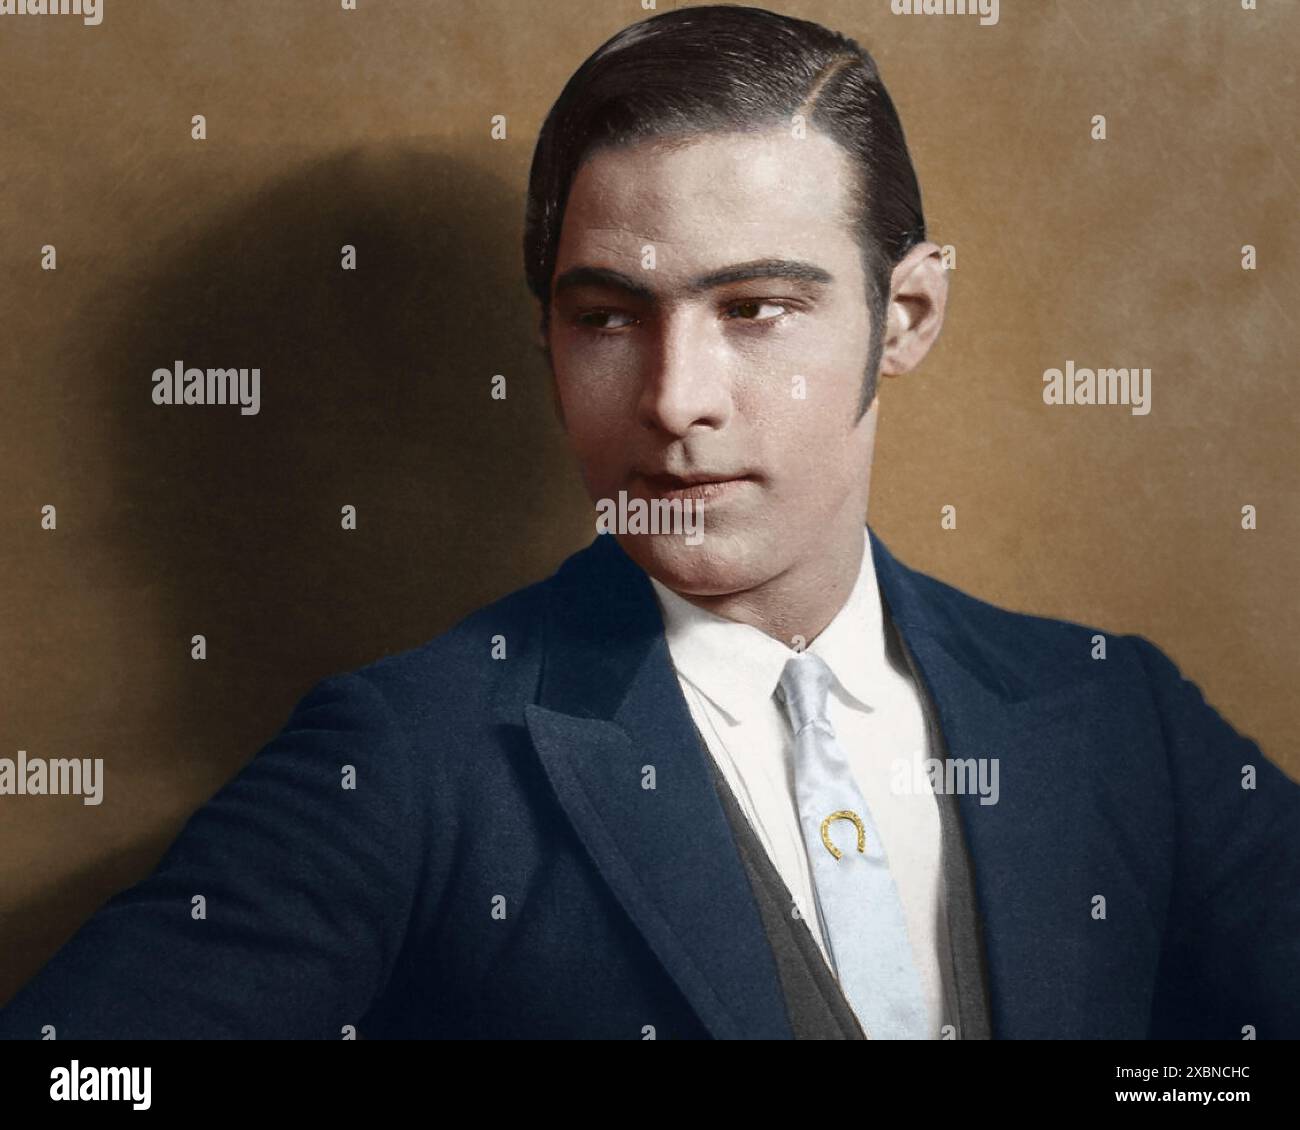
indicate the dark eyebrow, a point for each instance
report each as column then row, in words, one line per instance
column 793, row 270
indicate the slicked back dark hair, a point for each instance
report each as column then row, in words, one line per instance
column 728, row 69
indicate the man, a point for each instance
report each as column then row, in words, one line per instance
column 687, row 790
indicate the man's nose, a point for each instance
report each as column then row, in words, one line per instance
column 685, row 383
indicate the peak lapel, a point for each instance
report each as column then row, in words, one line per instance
column 1046, row 846
column 611, row 720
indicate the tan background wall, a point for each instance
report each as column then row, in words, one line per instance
column 371, row 127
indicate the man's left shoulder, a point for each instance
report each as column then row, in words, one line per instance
column 1048, row 659
column 1026, row 653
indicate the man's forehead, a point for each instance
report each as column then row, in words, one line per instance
column 753, row 178
column 723, row 199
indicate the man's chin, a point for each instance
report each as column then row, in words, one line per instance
column 713, row 567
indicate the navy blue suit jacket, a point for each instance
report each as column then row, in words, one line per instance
column 499, row 870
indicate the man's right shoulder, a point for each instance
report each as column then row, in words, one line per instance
column 479, row 672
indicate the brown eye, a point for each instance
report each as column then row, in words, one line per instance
column 749, row 310
column 599, row 319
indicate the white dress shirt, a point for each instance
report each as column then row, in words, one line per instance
column 729, row 673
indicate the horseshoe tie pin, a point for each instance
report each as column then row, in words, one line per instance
column 843, row 814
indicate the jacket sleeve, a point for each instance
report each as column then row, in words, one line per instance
column 1230, row 965
column 306, row 889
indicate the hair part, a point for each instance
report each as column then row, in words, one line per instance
column 725, row 69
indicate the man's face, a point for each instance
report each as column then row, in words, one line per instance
column 664, row 373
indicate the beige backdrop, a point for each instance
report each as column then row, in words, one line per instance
column 328, row 127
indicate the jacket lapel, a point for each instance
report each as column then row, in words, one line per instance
column 609, row 723
column 1039, row 852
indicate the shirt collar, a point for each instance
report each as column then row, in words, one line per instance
column 737, row 666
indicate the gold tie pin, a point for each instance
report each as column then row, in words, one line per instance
column 843, row 814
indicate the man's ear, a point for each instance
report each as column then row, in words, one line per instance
column 918, row 295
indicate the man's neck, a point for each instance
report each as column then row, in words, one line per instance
column 796, row 606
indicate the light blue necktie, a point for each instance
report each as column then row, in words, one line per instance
column 861, row 915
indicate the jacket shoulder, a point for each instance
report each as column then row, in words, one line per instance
column 493, row 651
column 1027, row 651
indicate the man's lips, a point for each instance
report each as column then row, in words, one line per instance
column 702, row 485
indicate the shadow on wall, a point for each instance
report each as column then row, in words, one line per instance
column 375, row 389
column 375, row 392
